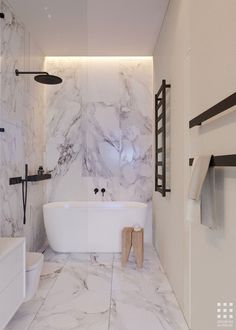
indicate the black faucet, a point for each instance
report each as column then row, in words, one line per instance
column 96, row 190
column 103, row 191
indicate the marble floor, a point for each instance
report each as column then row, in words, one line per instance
column 93, row 292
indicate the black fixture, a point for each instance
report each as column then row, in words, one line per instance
column 160, row 130
column 222, row 106
column 37, row 177
column 24, row 193
column 103, row 191
column 30, row 178
column 15, row 180
column 24, row 182
column 2, row 130
column 2, row 15
column 224, row 160
column 96, row 190
column 40, row 171
column 42, row 77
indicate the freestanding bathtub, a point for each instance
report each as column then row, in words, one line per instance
column 90, row 226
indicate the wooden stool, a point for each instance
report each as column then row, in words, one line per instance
column 137, row 242
column 126, row 244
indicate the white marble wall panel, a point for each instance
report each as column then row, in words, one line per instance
column 136, row 128
column 21, row 115
column 66, row 130
column 99, row 125
column 102, row 141
column 13, row 42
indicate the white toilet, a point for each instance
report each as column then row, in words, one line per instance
column 34, row 264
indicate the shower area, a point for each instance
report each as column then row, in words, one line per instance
column 90, row 126
column 22, row 142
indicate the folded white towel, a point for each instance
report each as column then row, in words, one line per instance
column 201, row 194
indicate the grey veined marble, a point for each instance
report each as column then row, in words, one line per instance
column 93, row 292
column 99, row 128
column 21, row 104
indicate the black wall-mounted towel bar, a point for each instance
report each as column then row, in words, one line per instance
column 160, row 139
column 224, row 160
column 222, row 106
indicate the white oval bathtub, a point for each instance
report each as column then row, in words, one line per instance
column 90, row 226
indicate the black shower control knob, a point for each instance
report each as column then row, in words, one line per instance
column 40, row 170
column 103, row 191
column 96, row 190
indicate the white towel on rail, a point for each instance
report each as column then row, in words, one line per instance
column 208, row 200
column 201, row 192
column 199, row 171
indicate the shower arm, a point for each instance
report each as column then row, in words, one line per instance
column 41, row 77
column 17, row 72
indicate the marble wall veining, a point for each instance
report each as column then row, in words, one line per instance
column 21, row 114
column 99, row 129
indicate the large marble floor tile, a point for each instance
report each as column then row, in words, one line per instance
column 135, row 312
column 102, row 259
column 91, row 291
column 80, row 298
column 151, row 278
column 24, row 316
column 143, row 298
column 26, row 313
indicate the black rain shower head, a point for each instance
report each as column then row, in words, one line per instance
column 42, row 77
column 48, row 79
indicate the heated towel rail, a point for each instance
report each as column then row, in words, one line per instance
column 160, row 139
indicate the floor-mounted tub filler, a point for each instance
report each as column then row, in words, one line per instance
column 90, row 226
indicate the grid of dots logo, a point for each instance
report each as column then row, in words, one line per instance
column 225, row 314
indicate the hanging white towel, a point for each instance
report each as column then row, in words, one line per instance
column 208, row 198
column 193, row 211
column 201, row 191
column 199, row 172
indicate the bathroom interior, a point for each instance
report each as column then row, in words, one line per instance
column 117, row 164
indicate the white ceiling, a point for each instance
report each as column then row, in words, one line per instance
column 93, row 27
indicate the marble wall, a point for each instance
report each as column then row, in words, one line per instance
column 99, row 129
column 21, row 114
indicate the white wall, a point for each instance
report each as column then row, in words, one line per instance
column 213, row 77
column 170, row 58
column 200, row 77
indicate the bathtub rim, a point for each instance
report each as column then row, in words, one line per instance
column 104, row 205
